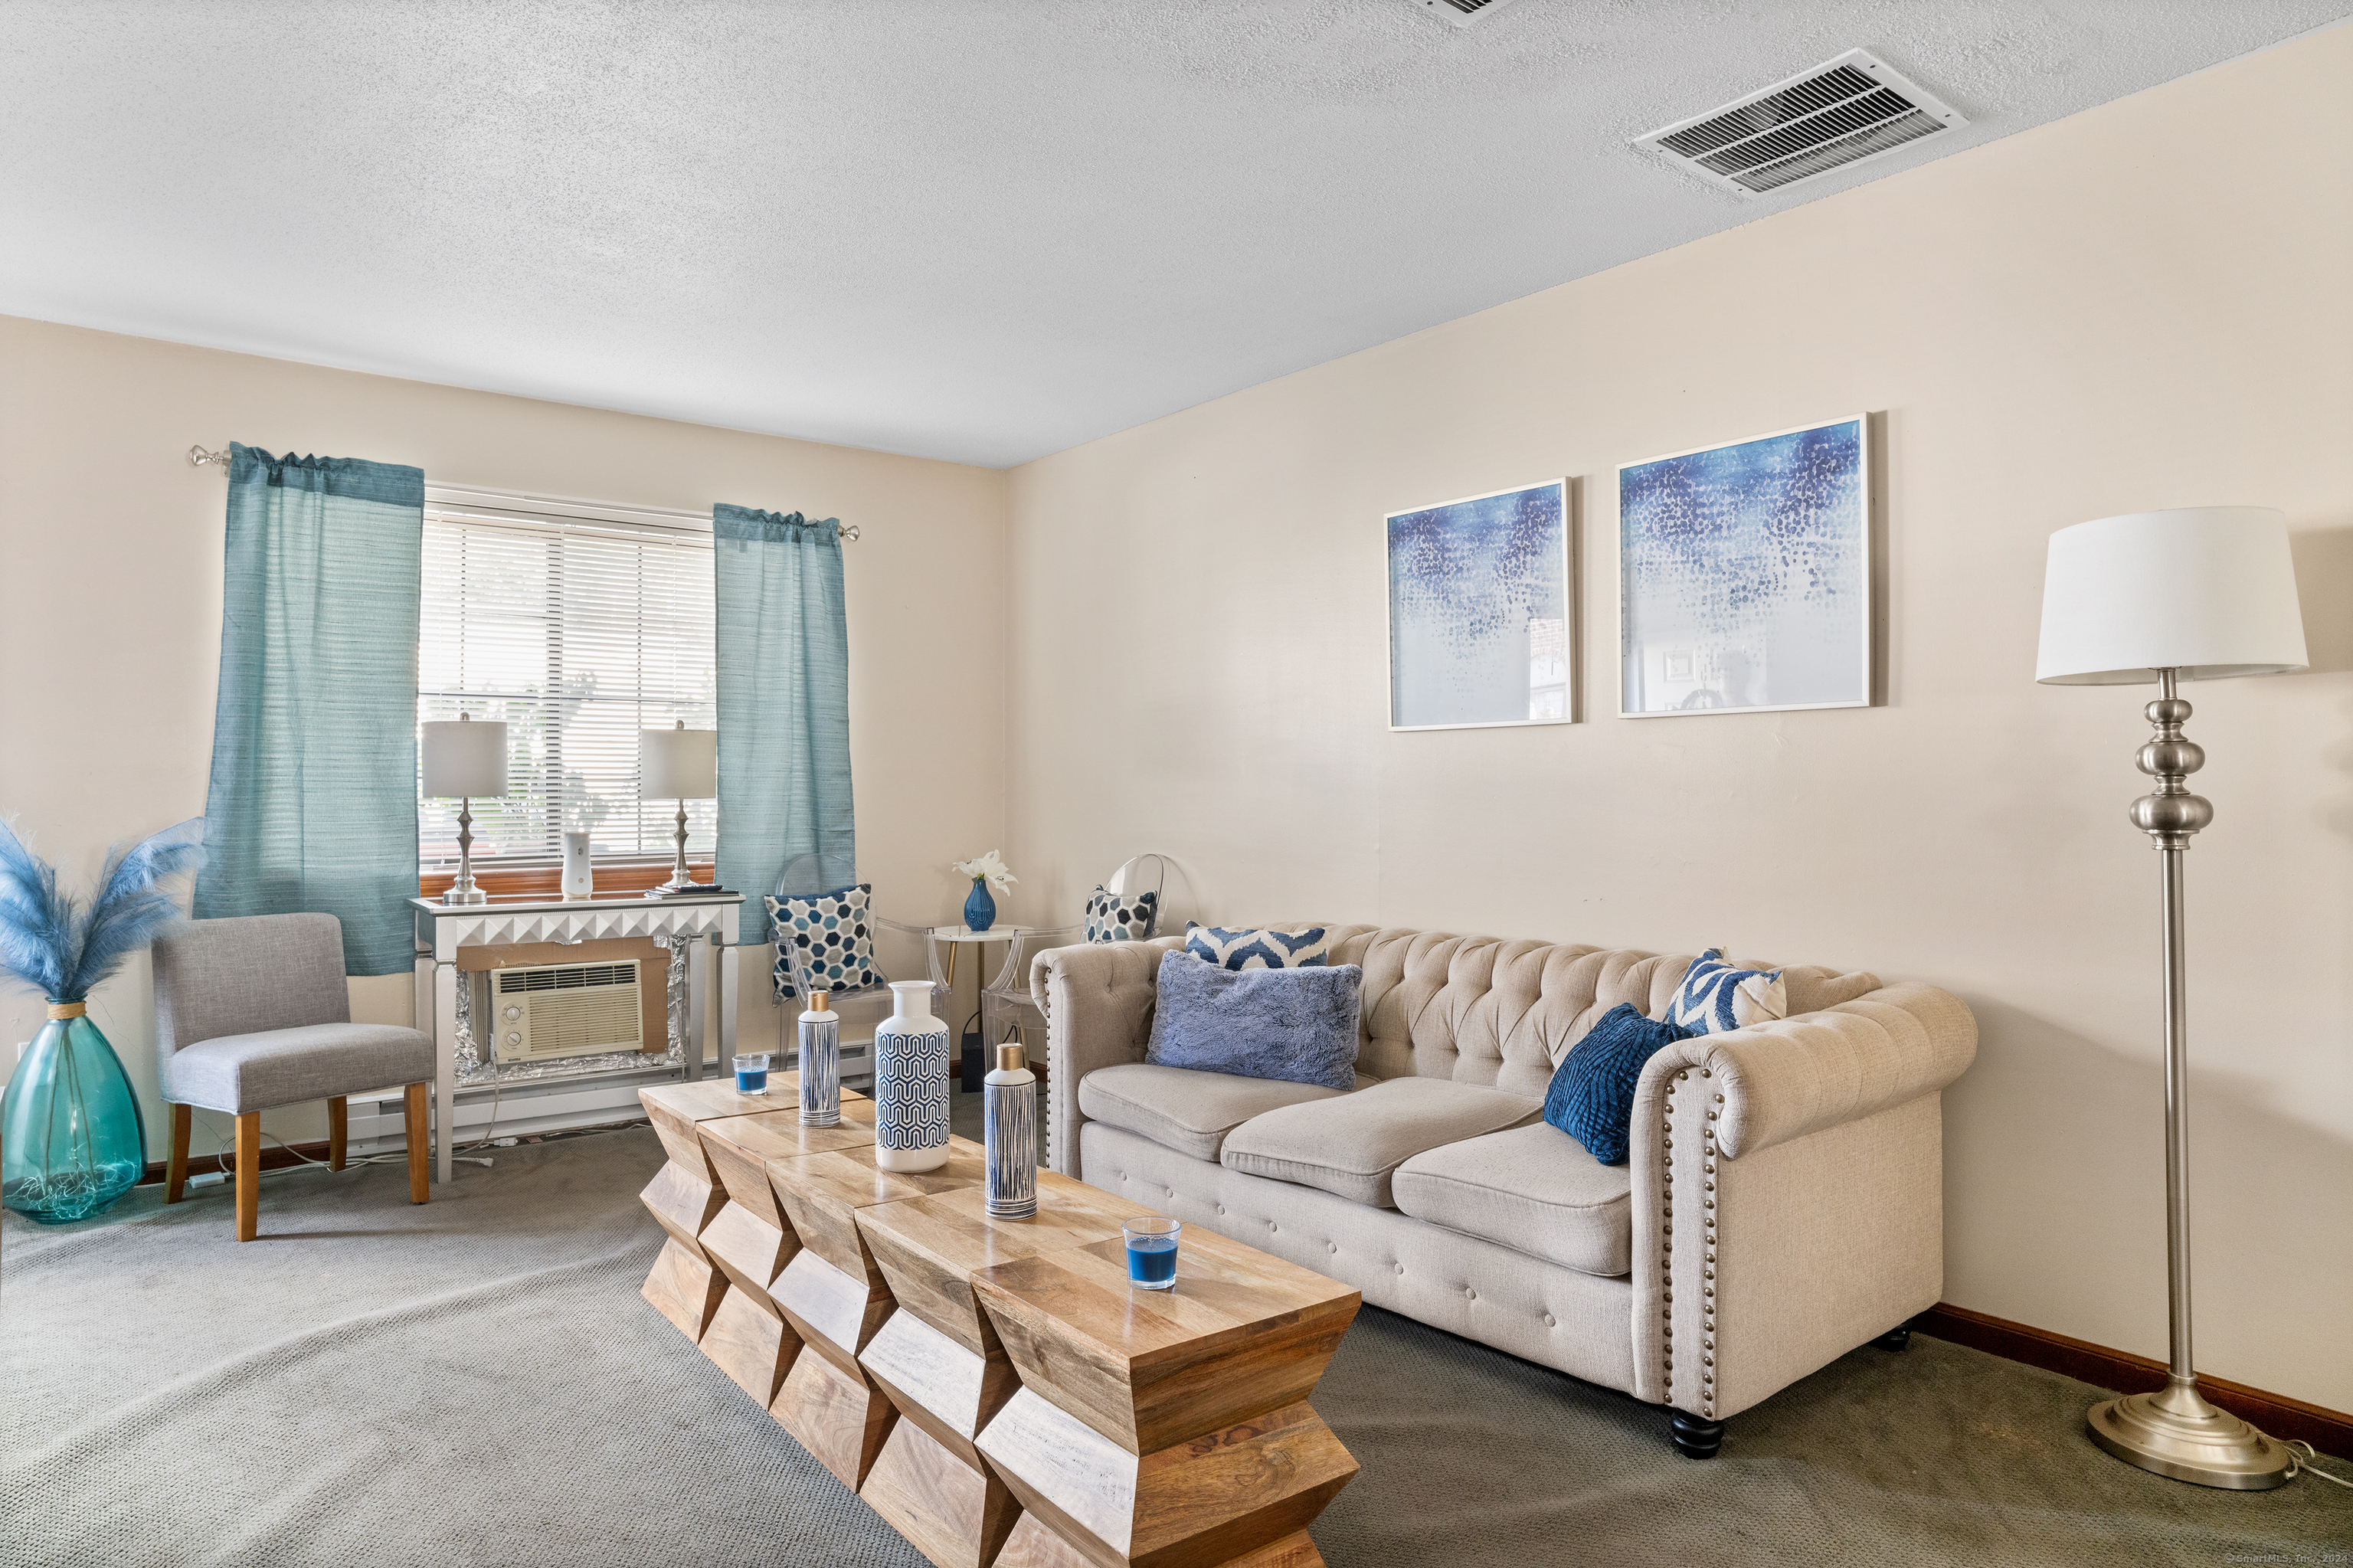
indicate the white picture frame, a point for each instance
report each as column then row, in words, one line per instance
column 1480, row 611
column 1783, row 517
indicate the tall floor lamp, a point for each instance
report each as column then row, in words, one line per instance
column 2201, row 594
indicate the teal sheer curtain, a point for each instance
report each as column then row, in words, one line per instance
column 784, row 708
column 312, row 805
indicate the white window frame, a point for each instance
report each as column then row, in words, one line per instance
column 460, row 503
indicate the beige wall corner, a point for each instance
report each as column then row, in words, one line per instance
column 2145, row 305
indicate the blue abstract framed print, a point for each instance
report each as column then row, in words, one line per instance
column 1745, row 575
column 1482, row 624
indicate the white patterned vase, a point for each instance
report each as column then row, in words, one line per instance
column 1010, row 1130
column 910, row 1083
column 579, row 877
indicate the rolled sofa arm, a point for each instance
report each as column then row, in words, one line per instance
column 1788, row 1193
column 1783, row 1080
column 1097, row 998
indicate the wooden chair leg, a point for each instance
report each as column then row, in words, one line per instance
column 338, row 1131
column 176, row 1167
column 249, row 1176
column 420, row 1169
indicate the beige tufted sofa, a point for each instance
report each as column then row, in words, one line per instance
column 1782, row 1205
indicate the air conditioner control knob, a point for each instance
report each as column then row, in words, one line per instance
column 514, row 1038
column 513, row 1013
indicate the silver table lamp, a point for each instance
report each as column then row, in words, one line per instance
column 464, row 758
column 682, row 765
column 2201, row 594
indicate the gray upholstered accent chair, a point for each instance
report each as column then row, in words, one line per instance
column 252, row 1014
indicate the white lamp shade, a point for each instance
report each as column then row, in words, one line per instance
column 678, row 764
column 2207, row 590
column 465, row 757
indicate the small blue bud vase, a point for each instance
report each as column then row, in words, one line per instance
column 979, row 908
column 910, row 1083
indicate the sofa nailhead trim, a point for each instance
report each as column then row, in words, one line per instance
column 1708, row 1288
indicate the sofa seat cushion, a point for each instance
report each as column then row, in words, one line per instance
column 1350, row 1144
column 1185, row 1110
column 241, row 1073
column 1534, row 1189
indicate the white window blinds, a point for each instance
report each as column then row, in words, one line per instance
column 577, row 626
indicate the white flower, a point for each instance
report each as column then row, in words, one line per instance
column 988, row 868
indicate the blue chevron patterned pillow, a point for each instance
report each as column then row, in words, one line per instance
column 1240, row 947
column 1716, row 998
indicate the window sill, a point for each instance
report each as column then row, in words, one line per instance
column 547, row 881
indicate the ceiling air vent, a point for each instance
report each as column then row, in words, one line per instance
column 1462, row 13
column 1854, row 107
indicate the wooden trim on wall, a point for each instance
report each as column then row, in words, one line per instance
column 547, row 881
column 2331, row 1431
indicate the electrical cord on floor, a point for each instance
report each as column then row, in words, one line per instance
column 2300, row 1456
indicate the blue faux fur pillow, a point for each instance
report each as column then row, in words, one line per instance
column 1298, row 1025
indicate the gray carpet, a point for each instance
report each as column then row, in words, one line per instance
column 476, row 1383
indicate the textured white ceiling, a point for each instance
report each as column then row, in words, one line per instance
column 974, row 231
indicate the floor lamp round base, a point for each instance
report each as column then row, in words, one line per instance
column 2175, row 1433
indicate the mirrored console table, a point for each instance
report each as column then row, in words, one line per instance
column 443, row 929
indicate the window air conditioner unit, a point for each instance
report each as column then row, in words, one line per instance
column 549, row 1010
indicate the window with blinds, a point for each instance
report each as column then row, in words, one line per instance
column 577, row 625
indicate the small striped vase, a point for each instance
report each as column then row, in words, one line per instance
column 1010, row 1111
column 820, row 1069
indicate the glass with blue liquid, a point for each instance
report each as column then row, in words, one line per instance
column 1152, row 1251
column 751, row 1074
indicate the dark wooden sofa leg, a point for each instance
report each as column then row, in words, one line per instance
column 1696, row 1437
column 249, row 1176
column 1898, row 1338
column 338, row 1131
column 419, row 1167
column 176, row 1167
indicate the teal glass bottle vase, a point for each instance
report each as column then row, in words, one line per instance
column 71, row 1137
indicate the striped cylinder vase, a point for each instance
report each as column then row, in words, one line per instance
column 1010, row 1111
column 820, row 1064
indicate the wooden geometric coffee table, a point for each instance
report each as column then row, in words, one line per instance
column 834, row 1295
column 687, row 1194
column 941, row 1363
column 995, row 1388
column 1160, row 1428
column 751, row 1241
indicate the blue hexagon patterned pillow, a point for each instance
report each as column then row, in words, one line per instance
column 832, row 935
column 1120, row 917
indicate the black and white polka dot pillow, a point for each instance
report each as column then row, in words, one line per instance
column 833, row 936
column 1120, row 917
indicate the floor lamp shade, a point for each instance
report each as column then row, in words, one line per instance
column 465, row 757
column 2207, row 591
column 678, row 764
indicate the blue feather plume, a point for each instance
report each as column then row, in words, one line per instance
column 40, row 926
column 49, row 942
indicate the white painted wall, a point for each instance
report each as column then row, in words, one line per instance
column 2145, row 305
column 109, row 639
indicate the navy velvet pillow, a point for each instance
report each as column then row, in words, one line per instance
column 1299, row 1025
column 1591, row 1096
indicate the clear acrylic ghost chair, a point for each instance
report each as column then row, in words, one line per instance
column 1005, row 1003
column 792, row 968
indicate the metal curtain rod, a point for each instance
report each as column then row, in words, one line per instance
column 199, row 458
